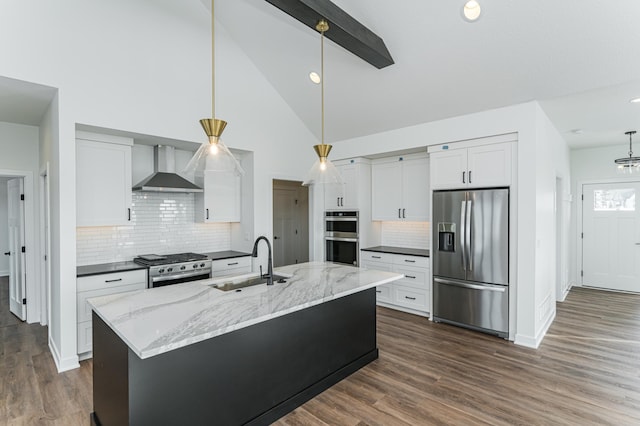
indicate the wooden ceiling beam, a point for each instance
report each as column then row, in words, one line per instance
column 344, row 29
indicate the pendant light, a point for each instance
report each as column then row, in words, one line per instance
column 213, row 155
column 323, row 171
column 630, row 164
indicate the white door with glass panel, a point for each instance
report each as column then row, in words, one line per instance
column 611, row 236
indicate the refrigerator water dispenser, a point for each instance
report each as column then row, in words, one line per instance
column 446, row 237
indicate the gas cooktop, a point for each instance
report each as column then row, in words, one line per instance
column 166, row 259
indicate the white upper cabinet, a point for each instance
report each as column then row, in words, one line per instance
column 471, row 167
column 343, row 196
column 400, row 189
column 220, row 200
column 103, row 180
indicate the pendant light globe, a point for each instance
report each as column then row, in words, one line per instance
column 213, row 155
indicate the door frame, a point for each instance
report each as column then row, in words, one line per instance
column 579, row 211
column 45, row 245
column 32, row 267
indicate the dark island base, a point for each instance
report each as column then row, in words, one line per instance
column 252, row 376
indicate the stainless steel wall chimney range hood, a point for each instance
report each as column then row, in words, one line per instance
column 164, row 177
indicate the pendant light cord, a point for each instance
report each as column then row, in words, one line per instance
column 630, row 146
column 322, row 80
column 213, row 62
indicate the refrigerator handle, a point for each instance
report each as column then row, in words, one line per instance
column 467, row 228
column 463, row 233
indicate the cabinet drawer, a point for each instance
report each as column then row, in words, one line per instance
column 84, row 309
column 116, row 279
column 419, row 261
column 411, row 297
column 376, row 257
column 378, row 266
column 85, row 342
column 384, row 293
column 413, row 277
column 236, row 262
column 231, row 272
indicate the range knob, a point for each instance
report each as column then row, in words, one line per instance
column 195, row 265
column 161, row 271
column 202, row 265
column 182, row 268
column 169, row 269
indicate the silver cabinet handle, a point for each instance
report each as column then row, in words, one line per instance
column 376, row 257
column 403, row 216
column 399, row 217
column 378, row 291
column 231, row 264
column 410, row 298
column 129, row 214
column 410, row 261
column 469, row 176
column 113, row 281
column 207, row 214
column 463, row 173
column 410, row 276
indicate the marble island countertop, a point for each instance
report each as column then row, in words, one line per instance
column 158, row 320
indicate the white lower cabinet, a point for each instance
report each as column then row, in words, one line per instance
column 229, row 267
column 101, row 285
column 410, row 294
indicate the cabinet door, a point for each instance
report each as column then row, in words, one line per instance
column 221, row 197
column 333, row 195
column 350, row 191
column 449, row 169
column 489, row 165
column 415, row 190
column 103, row 183
column 386, row 196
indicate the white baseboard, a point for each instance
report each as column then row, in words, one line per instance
column 534, row 342
column 403, row 309
column 69, row 363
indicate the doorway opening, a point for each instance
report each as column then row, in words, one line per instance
column 560, row 242
column 290, row 222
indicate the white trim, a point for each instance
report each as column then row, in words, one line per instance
column 534, row 342
column 403, row 309
column 4, row 273
column 579, row 212
column 98, row 137
column 62, row 365
column 45, row 245
column 467, row 143
column 32, row 268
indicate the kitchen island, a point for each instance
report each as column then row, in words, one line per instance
column 193, row 354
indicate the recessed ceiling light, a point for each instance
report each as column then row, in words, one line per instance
column 315, row 77
column 577, row 131
column 635, row 100
column 471, row 10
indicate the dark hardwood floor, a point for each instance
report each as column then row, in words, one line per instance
column 587, row 371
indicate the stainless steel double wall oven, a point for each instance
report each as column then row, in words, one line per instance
column 341, row 237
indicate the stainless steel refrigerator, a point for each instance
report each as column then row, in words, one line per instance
column 471, row 259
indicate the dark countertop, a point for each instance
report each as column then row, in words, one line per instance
column 227, row 254
column 398, row 250
column 107, row 268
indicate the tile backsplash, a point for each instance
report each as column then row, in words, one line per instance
column 161, row 223
column 406, row 234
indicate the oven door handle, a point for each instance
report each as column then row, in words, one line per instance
column 348, row 240
column 341, row 219
column 181, row 275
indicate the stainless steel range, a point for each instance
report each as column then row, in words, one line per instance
column 177, row 268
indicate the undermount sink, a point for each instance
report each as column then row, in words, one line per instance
column 239, row 285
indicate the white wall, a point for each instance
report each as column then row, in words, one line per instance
column 552, row 160
column 4, row 228
column 536, row 139
column 150, row 76
column 590, row 165
column 19, row 153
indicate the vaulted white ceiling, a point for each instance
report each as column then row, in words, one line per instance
column 577, row 57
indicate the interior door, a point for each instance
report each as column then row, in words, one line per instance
column 611, row 236
column 17, row 284
column 290, row 223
